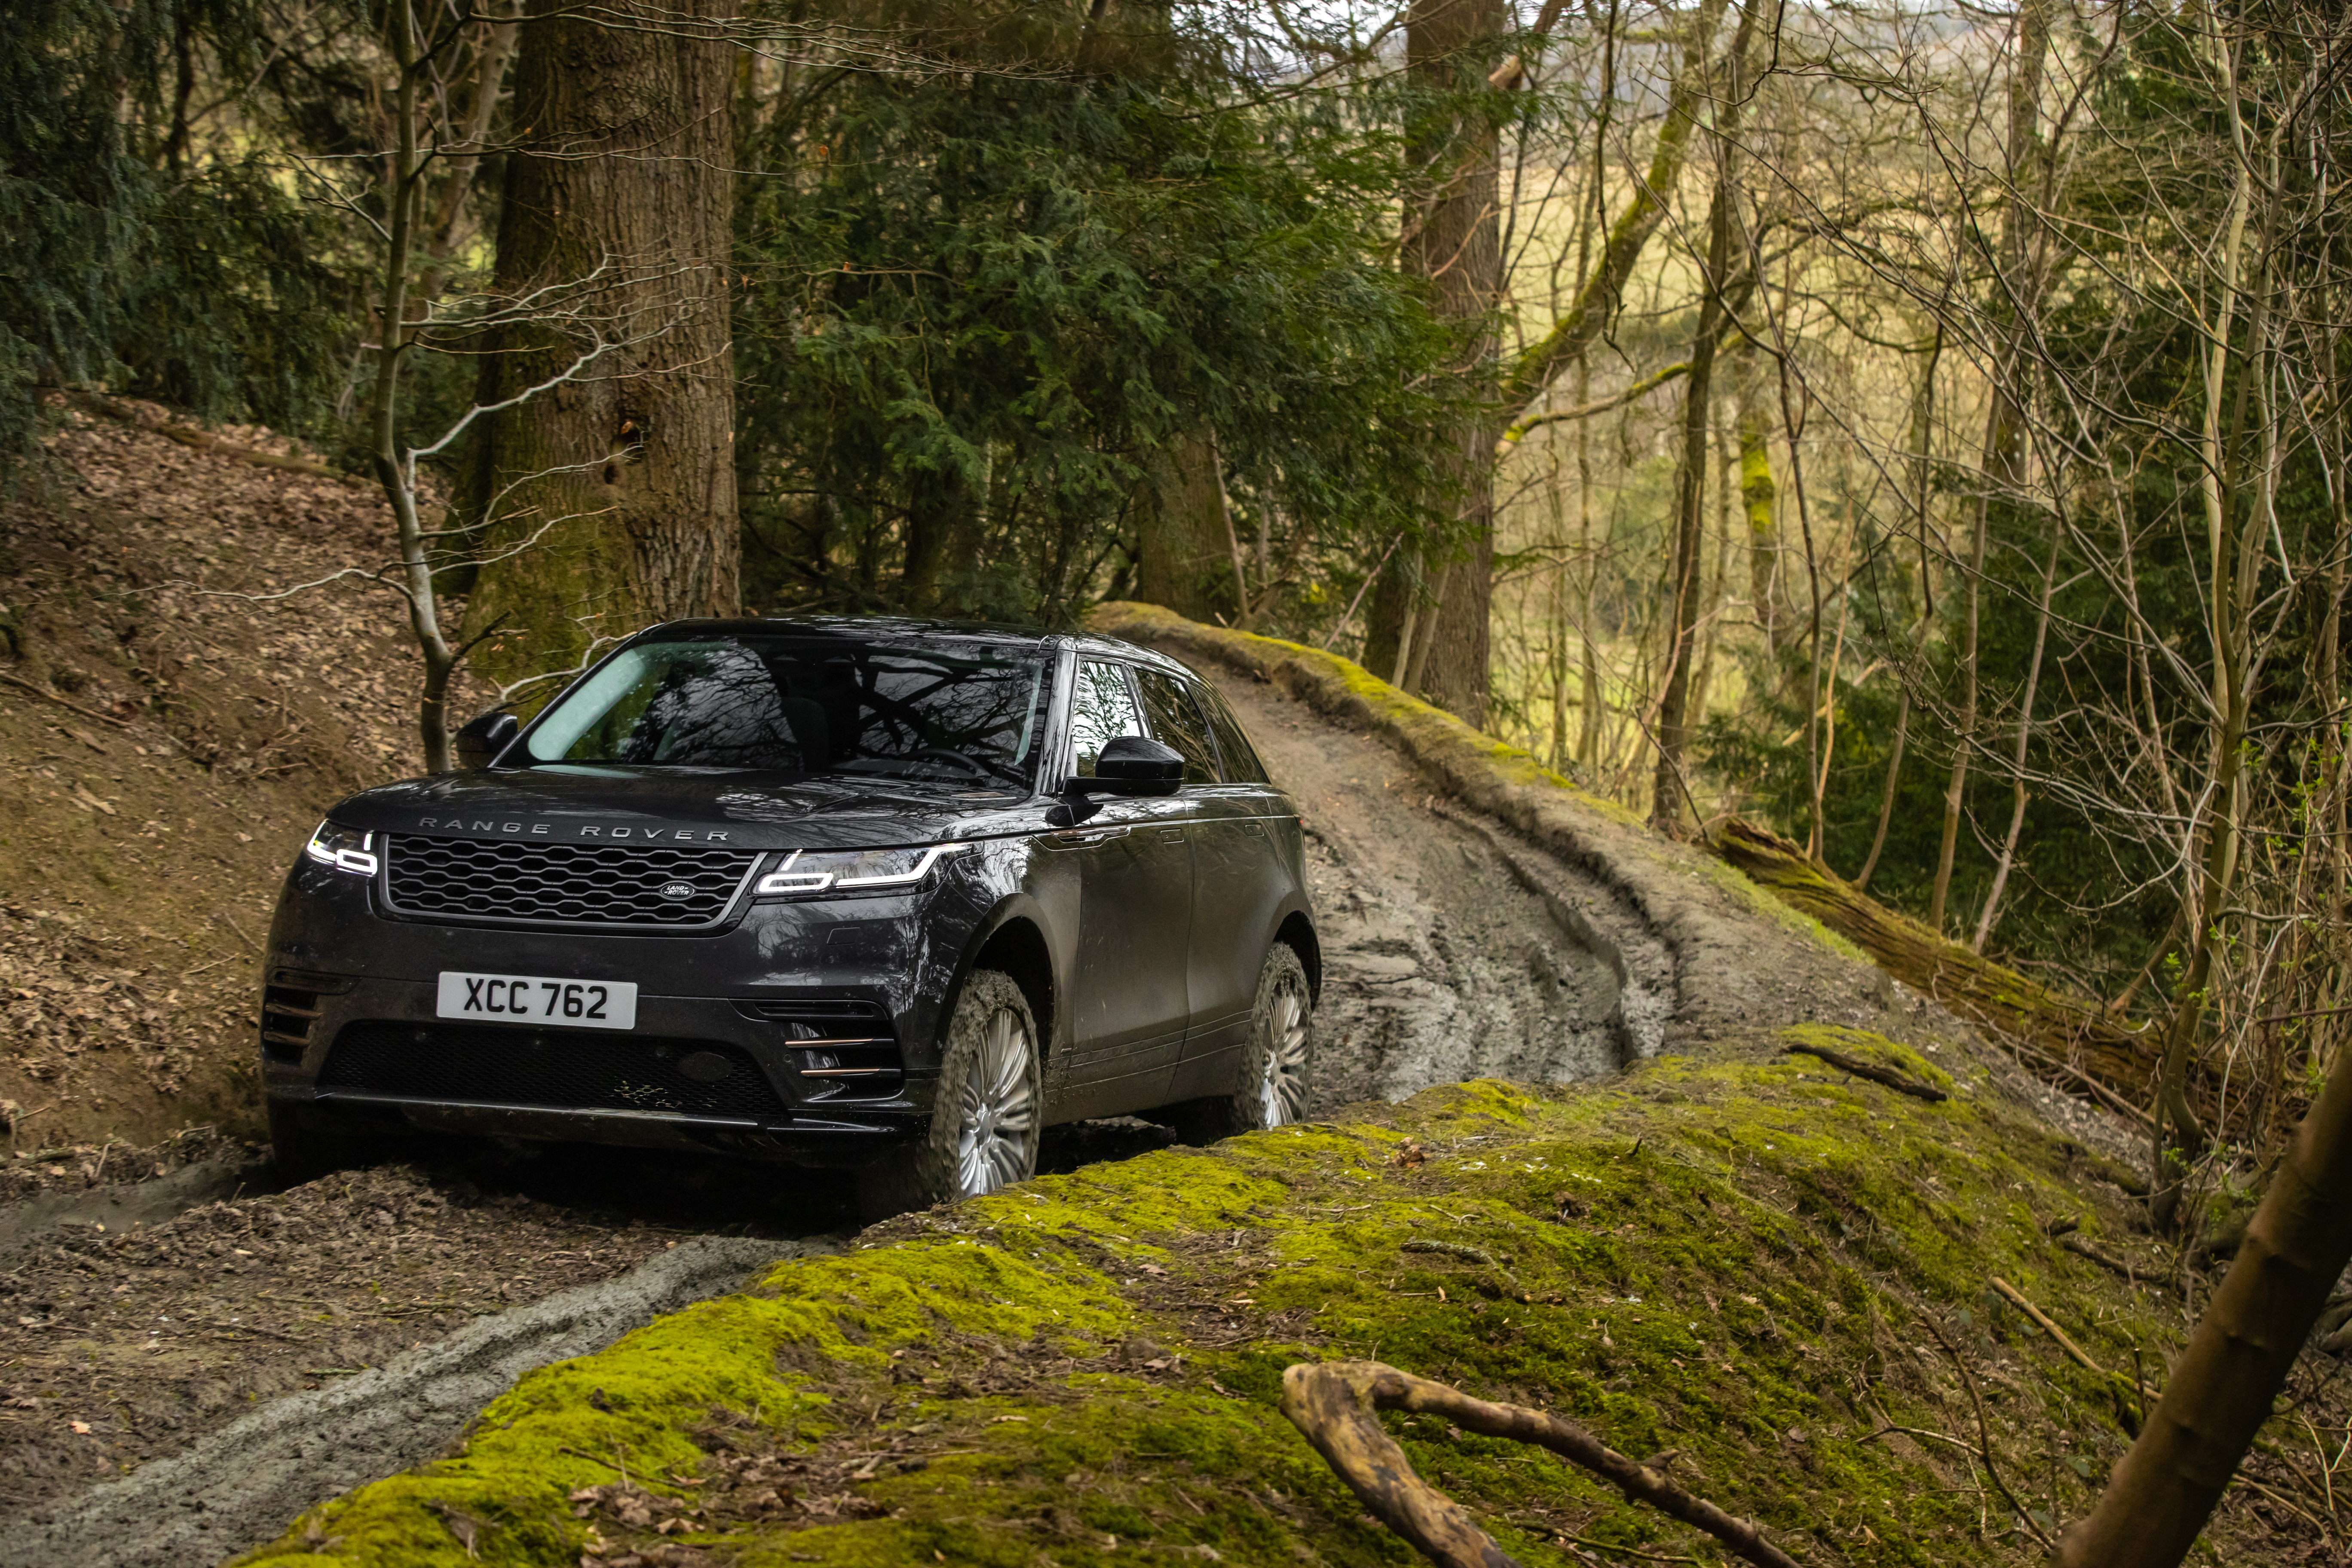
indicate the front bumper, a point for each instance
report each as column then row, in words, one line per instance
column 350, row 1026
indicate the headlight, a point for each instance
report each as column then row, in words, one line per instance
column 854, row 871
column 343, row 849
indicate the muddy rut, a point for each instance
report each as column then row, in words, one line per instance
column 1452, row 949
column 188, row 1360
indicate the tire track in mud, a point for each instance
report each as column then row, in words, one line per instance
column 240, row 1484
column 1452, row 949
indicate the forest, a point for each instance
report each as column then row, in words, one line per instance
column 1918, row 428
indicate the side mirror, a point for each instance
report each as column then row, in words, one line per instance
column 480, row 741
column 1129, row 765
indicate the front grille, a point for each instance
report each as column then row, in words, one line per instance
column 559, row 1071
column 564, row 884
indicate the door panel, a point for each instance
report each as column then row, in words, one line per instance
column 1129, row 1002
column 1236, row 891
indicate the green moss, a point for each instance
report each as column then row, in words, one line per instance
column 1749, row 1262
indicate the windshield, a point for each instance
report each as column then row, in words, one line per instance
column 807, row 706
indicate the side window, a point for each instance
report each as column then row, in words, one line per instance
column 1242, row 765
column 1102, row 709
column 1176, row 721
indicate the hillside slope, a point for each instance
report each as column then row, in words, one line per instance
column 162, row 753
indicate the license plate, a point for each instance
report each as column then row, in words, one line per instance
column 538, row 999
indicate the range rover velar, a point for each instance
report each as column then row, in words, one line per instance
column 886, row 896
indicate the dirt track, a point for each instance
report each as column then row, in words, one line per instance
column 149, row 1359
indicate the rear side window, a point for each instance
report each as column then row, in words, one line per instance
column 1102, row 709
column 1176, row 721
column 1242, row 765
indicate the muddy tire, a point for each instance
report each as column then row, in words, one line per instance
column 1276, row 1069
column 987, row 1112
column 302, row 1147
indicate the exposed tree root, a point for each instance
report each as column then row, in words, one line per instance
column 1860, row 1068
column 201, row 441
column 2062, row 1039
column 1334, row 1404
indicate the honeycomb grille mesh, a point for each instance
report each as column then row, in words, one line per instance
column 559, row 1071
column 569, row 884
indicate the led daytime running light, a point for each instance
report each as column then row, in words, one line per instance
column 787, row 881
column 331, row 847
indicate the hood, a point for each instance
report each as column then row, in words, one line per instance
column 738, row 808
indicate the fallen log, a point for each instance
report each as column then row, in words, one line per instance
column 1334, row 1404
column 2068, row 1041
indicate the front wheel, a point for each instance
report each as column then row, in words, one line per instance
column 1277, row 1067
column 987, row 1114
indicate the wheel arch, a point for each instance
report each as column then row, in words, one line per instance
column 1012, row 939
column 1297, row 931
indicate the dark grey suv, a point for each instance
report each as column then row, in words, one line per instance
column 882, row 895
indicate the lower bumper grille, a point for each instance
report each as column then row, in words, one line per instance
column 555, row 1070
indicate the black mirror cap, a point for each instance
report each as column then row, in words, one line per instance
column 1131, row 764
column 478, row 745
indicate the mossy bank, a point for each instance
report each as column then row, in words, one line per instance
column 1774, row 1273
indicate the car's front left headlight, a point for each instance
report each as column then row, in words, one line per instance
column 343, row 849
column 854, row 871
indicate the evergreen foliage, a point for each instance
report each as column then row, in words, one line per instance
column 135, row 254
column 998, row 292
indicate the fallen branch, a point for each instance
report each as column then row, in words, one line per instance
column 2064, row 1039
column 2016, row 1299
column 1333, row 1404
column 1860, row 1068
column 199, row 441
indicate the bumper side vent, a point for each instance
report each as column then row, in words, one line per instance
column 554, row 1071
column 842, row 1048
column 287, row 1013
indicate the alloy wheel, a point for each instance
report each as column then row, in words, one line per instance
column 999, row 1106
column 1282, row 1089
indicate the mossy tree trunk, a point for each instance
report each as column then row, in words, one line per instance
column 1671, row 810
column 1429, row 616
column 1184, row 558
column 608, row 501
column 2221, row 1389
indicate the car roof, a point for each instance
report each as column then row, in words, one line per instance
column 914, row 629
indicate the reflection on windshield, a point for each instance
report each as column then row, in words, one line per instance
column 807, row 707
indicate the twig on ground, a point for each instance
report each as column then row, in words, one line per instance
column 1984, row 1433
column 1860, row 1068
column 2081, row 1247
column 1333, row 1404
column 68, row 707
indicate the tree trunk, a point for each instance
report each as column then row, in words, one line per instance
column 1923, row 435
column 1669, row 807
column 2164, row 1489
column 1758, row 498
column 1184, row 555
column 2019, row 795
column 2004, row 421
column 607, row 500
column 1453, row 243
